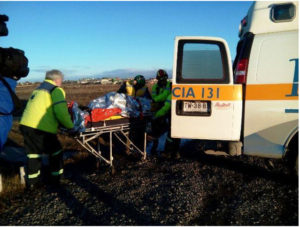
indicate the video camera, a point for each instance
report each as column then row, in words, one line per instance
column 13, row 62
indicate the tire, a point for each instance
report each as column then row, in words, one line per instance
column 292, row 155
column 297, row 166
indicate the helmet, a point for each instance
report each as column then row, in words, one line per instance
column 140, row 81
column 161, row 75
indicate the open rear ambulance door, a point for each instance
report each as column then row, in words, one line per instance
column 205, row 102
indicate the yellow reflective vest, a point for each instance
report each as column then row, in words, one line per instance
column 131, row 90
column 47, row 108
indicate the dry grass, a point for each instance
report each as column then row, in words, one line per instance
column 82, row 94
column 11, row 182
column 11, row 186
column 15, row 134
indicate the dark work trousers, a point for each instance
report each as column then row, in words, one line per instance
column 172, row 144
column 137, row 136
column 159, row 127
column 38, row 142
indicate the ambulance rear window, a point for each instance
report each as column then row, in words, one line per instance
column 283, row 12
column 201, row 62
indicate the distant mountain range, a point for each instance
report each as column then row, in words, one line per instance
column 127, row 73
column 121, row 73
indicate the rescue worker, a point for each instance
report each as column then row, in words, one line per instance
column 162, row 97
column 161, row 90
column 135, row 88
column 45, row 111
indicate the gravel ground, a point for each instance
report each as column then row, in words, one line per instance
column 194, row 190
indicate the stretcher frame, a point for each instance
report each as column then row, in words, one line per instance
column 90, row 134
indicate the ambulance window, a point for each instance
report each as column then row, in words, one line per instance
column 201, row 62
column 283, row 12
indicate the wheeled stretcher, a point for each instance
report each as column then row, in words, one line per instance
column 119, row 129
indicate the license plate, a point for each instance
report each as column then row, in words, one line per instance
column 200, row 107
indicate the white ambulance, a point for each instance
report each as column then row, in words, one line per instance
column 253, row 106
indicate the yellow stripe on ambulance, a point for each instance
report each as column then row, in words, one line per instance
column 233, row 92
column 207, row 92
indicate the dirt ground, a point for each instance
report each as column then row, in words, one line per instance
column 196, row 189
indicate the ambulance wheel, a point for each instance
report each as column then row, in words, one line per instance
column 297, row 166
column 292, row 155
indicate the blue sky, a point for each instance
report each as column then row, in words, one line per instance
column 113, row 38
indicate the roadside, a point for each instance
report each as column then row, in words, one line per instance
column 195, row 190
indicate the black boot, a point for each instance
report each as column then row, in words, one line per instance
column 154, row 148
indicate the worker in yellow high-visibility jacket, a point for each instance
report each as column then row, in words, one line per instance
column 46, row 109
column 135, row 88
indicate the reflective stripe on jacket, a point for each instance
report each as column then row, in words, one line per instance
column 46, row 108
